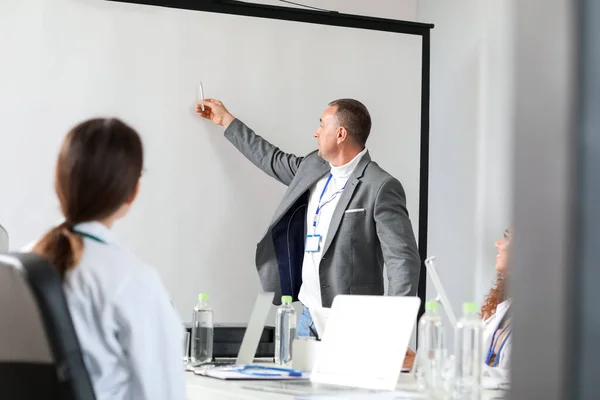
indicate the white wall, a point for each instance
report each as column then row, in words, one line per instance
column 470, row 165
column 495, row 161
column 470, row 161
column 175, row 224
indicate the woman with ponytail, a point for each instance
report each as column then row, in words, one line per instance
column 130, row 334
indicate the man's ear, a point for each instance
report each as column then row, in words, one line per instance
column 342, row 134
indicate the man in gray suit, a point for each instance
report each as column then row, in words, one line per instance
column 341, row 218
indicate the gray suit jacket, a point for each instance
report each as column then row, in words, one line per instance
column 358, row 243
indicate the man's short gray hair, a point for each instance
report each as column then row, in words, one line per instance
column 354, row 116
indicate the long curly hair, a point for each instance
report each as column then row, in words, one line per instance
column 496, row 296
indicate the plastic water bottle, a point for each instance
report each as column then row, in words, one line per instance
column 469, row 357
column 430, row 353
column 202, row 332
column 285, row 331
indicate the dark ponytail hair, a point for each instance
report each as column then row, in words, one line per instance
column 98, row 169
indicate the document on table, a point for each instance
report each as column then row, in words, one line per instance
column 252, row 372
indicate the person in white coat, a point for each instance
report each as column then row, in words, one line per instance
column 130, row 334
column 497, row 334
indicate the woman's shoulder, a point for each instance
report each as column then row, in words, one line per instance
column 114, row 269
column 504, row 306
column 501, row 309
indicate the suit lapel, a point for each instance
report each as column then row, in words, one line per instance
column 342, row 205
column 339, row 211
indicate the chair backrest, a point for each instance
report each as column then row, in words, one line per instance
column 40, row 356
column 3, row 240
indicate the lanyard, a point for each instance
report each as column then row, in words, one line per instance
column 495, row 339
column 321, row 205
column 89, row 236
column 501, row 347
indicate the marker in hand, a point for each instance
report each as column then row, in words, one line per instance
column 215, row 111
column 200, row 96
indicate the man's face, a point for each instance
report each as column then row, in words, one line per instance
column 327, row 134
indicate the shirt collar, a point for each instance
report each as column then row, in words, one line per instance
column 96, row 229
column 345, row 170
column 505, row 305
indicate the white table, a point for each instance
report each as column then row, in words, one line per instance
column 203, row 388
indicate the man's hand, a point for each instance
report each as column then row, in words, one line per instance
column 216, row 112
column 409, row 359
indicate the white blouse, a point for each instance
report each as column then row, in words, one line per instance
column 130, row 334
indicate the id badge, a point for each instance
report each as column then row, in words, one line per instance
column 313, row 243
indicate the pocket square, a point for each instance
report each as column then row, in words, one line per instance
column 354, row 210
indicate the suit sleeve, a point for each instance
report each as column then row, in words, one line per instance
column 397, row 239
column 269, row 158
column 151, row 334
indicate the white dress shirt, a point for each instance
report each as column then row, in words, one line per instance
column 310, row 291
column 130, row 334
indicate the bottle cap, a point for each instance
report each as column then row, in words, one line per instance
column 469, row 307
column 432, row 305
column 203, row 296
column 286, row 299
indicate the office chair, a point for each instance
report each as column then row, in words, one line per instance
column 3, row 240
column 40, row 356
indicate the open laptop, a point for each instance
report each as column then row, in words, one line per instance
column 320, row 317
column 437, row 283
column 254, row 330
column 362, row 347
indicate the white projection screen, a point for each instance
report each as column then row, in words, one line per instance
column 202, row 206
